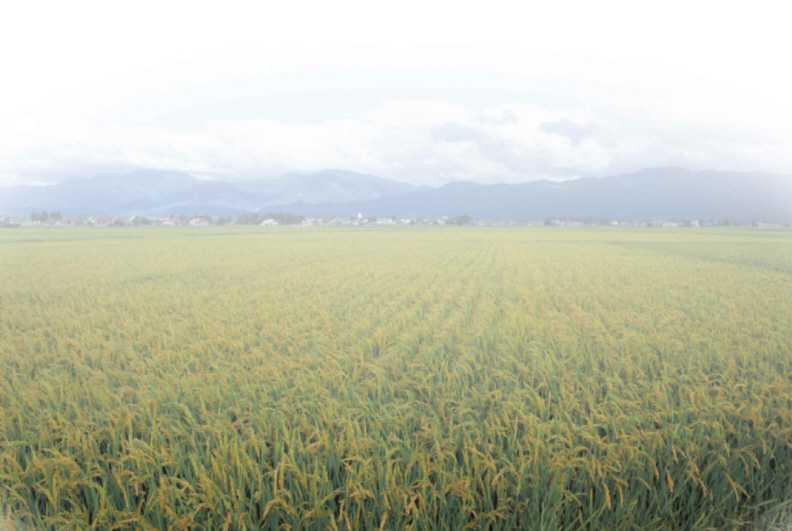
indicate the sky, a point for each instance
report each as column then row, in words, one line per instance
column 423, row 92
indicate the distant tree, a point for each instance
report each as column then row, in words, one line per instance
column 460, row 220
column 42, row 216
column 249, row 218
column 284, row 218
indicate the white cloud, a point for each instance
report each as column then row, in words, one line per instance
column 418, row 141
column 424, row 92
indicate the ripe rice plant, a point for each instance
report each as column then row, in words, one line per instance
column 395, row 379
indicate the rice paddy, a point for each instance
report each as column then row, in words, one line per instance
column 395, row 379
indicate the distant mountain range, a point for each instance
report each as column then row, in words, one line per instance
column 649, row 194
column 157, row 193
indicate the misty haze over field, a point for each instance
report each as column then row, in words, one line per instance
column 425, row 95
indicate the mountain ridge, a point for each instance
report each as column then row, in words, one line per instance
column 644, row 194
column 660, row 193
column 148, row 192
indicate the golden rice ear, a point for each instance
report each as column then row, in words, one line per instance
column 8, row 522
column 375, row 380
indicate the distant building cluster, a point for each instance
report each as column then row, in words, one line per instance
column 662, row 223
column 9, row 222
column 57, row 219
column 658, row 223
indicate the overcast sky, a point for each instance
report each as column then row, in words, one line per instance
column 425, row 92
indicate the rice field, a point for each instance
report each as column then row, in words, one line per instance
column 463, row 378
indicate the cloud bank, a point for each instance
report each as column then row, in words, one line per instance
column 424, row 93
column 422, row 142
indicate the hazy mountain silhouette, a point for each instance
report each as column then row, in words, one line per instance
column 656, row 193
column 160, row 193
column 328, row 186
column 653, row 193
